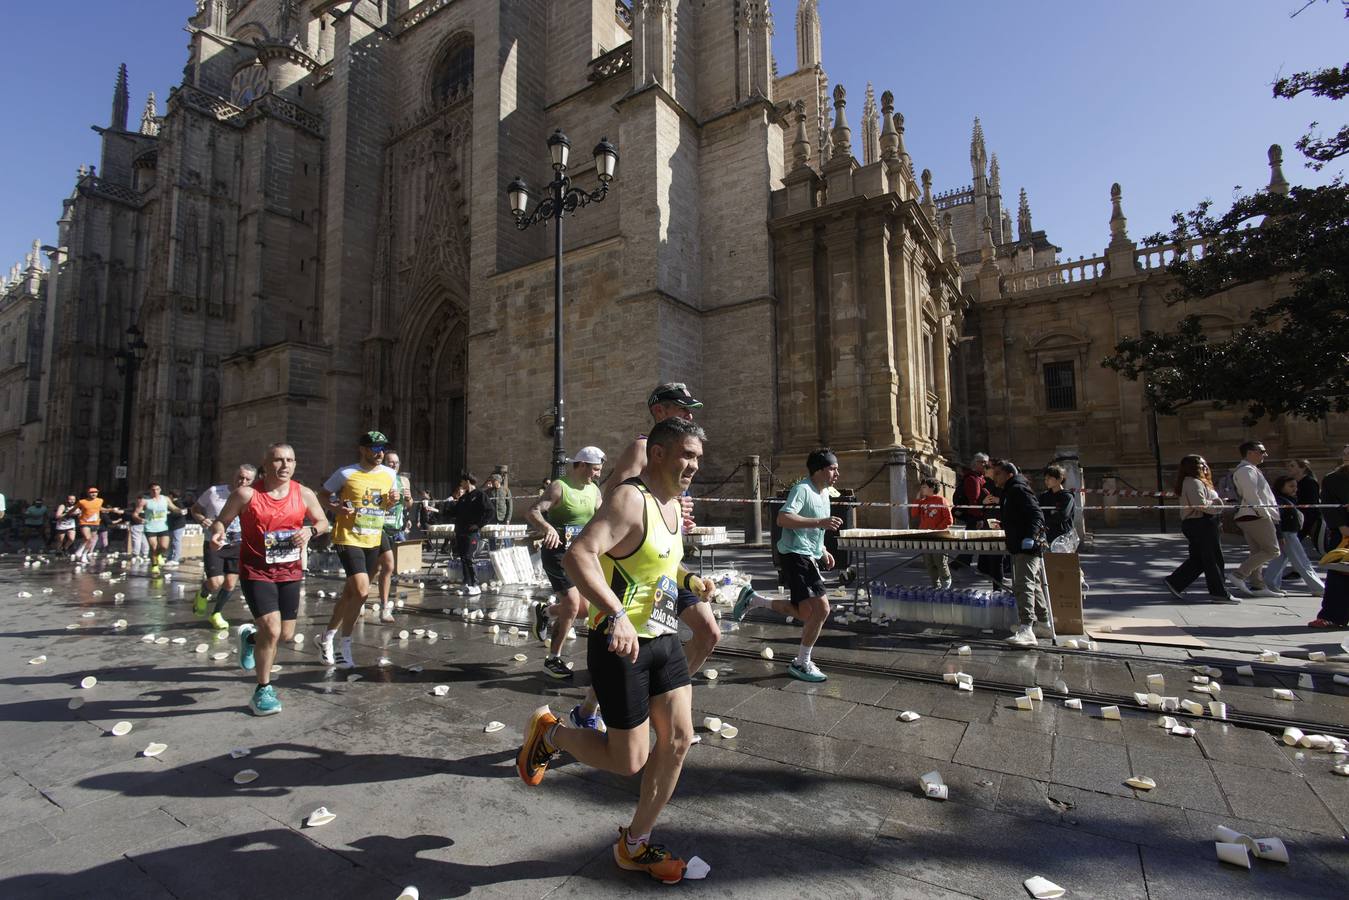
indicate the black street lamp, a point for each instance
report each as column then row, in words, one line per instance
column 128, row 362
column 562, row 198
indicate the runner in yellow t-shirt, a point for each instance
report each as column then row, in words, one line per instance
column 360, row 494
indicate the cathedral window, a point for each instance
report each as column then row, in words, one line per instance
column 249, row 84
column 1060, row 387
column 453, row 76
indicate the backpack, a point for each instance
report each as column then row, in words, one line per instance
column 1227, row 489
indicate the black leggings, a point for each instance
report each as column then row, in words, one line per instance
column 1206, row 556
column 465, row 547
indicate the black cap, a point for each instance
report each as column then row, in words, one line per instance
column 673, row 392
column 371, row 438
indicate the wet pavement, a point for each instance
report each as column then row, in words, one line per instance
column 818, row 795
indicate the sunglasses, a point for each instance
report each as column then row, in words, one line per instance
column 376, row 448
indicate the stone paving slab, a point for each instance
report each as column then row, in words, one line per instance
column 424, row 796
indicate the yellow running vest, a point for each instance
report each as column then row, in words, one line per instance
column 646, row 580
column 364, row 525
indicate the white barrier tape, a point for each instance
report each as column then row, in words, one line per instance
column 884, row 503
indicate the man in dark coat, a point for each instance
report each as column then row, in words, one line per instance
column 1024, row 526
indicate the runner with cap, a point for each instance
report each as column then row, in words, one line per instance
column 672, row 400
column 395, row 524
column 273, row 535
column 220, row 568
column 804, row 517
column 360, row 494
column 153, row 511
column 560, row 514
column 91, row 517
column 628, row 563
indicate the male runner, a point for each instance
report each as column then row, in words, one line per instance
column 628, row 564
column 803, row 519
column 395, row 524
column 673, row 400
column 567, row 505
column 360, row 493
column 154, row 512
column 91, row 516
column 273, row 533
column 220, row 568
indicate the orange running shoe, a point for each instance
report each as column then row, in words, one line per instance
column 652, row 859
column 532, row 760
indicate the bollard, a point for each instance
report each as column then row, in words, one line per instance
column 753, row 514
column 899, row 487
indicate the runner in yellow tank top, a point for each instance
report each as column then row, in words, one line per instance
column 627, row 564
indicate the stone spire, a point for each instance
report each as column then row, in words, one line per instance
column 1023, row 226
column 949, row 236
column 150, row 117
column 929, row 205
column 871, row 128
column 903, row 151
column 841, row 137
column 986, row 251
column 1277, row 183
column 801, row 143
column 807, row 33
column 1118, row 233
column 35, row 257
column 978, row 156
column 994, row 177
column 121, row 101
column 889, row 139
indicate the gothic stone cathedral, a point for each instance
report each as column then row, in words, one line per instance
column 314, row 239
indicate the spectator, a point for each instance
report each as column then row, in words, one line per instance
column 500, row 505
column 934, row 513
column 35, row 525
column 1335, row 489
column 66, row 514
column 1290, row 543
column 1256, row 513
column 1308, row 495
column 1060, row 509
column 1024, row 527
column 426, row 511
column 1201, row 509
column 177, row 520
column 469, row 510
column 140, row 547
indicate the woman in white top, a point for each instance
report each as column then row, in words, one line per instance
column 1201, row 509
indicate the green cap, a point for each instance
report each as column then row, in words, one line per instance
column 371, row 438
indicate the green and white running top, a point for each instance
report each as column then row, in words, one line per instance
column 156, row 514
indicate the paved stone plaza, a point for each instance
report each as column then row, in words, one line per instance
column 817, row 796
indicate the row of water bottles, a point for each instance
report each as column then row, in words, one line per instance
column 944, row 606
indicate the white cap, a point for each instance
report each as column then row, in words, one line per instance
column 592, row 455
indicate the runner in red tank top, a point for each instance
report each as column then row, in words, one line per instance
column 271, row 515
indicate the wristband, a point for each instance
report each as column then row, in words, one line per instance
column 687, row 577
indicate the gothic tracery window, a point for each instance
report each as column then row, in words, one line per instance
column 453, row 76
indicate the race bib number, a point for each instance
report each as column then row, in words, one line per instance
column 369, row 520
column 569, row 533
column 281, row 547
column 233, row 533
column 664, row 617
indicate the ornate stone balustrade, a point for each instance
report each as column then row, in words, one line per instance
column 1064, row 273
column 617, row 60
column 97, row 187
column 1160, row 257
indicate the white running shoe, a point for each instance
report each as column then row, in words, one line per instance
column 326, row 652
column 386, row 616
column 1024, row 636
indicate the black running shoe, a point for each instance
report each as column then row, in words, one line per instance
column 556, row 668
column 542, row 624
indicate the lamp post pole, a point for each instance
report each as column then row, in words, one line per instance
column 562, row 198
column 128, row 361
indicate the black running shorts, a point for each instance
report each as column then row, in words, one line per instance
column 224, row 561
column 265, row 597
column 803, row 577
column 358, row 559
column 624, row 688
column 552, row 567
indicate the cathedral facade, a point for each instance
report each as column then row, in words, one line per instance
column 313, row 239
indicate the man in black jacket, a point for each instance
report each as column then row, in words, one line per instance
column 469, row 513
column 1335, row 489
column 1024, row 526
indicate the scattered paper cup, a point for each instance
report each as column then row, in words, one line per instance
column 148, row 638
column 239, row 752
column 1024, row 703
column 949, row 677
column 1305, row 681
column 121, row 729
column 75, row 703
column 1182, row 730
column 1140, row 698
column 1284, row 694
column 1246, row 671
column 87, row 615
column 419, row 631
column 1217, row 709
column 1271, row 848
column 1157, row 683
column 493, row 727
column 712, row 723
column 432, row 635
column 440, row 690
column 1061, row 687
column 909, row 716
column 1234, row 854
column 1316, row 655
column 520, row 657
column 88, row 681
column 1224, row 835
column 318, row 817
column 220, row 655
column 37, row 660
column 246, row 776
column 1110, row 712
column 1167, row 722
column 409, row 893
column 1141, row 782
column 1042, row 888
column 710, row 674
column 1269, row 656
column 180, row 640
column 964, row 650
column 1199, row 679
column 154, row 749
column 1036, row 693
column 1154, row 701
column 696, row 869
column 1341, row 769
column 728, row 731
column 1170, row 704
column 1194, row 709
column 355, row 676
column 161, row 640
column 404, row 635
column 1072, row 703
column 766, row 653
column 119, row 624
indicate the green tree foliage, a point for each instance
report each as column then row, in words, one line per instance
column 1292, row 357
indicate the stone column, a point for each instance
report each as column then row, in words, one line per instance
column 899, row 487
column 753, row 510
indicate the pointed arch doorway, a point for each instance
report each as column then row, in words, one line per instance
column 432, row 382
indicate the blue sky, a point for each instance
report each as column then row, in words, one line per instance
column 1170, row 99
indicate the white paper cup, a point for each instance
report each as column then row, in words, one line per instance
column 728, row 731
column 1140, row 782
column 1154, row 701
column 1110, row 712
column 245, row 776
column 964, row 650
column 1291, row 735
column 1246, row 671
column 1073, row 703
column 766, row 653
column 1024, row 703
column 1194, row 709
column 1217, row 709
column 1284, row 694
column 909, row 716
column 1156, row 683
column 121, row 729
column 1042, row 888
column 1224, row 835
column 440, row 690
column 410, row 893
column 88, row 681
column 1170, row 704
column 1167, row 722
column 1271, row 848
column 949, row 677
column 1234, row 854
column 936, row 792
column 1316, row 655
column 712, row 723
column 493, row 727
column 1140, row 698
column 1035, row 693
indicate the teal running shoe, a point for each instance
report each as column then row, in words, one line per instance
column 264, row 701
column 246, row 647
column 742, row 603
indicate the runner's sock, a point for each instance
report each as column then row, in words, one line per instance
column 221, row 597
column 635, row 843
column 329, row 635
column 804, row 656
column 548, row 736
column 759, row 601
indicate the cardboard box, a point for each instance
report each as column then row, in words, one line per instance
column 1063, row 571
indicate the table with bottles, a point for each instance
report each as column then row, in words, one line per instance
column 969, row 607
